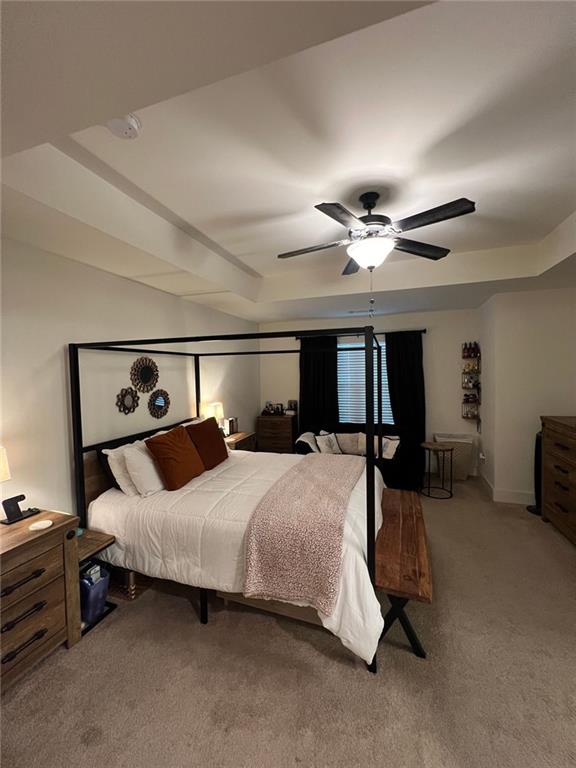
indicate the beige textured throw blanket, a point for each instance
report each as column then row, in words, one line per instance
column 294, row 537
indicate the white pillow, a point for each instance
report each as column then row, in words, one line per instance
column 389, row 446
column 348, row 442
column 328, row 444
column 118, row 467
column 142, row 469
column 309, row 438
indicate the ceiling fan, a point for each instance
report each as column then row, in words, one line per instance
column 371, row 237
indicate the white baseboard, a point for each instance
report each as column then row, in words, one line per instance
column 487, row 485
column 507, row 496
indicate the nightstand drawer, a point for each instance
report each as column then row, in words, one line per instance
column 43, row 611
column 30, row 576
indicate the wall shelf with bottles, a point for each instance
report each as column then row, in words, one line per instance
column 471, row 386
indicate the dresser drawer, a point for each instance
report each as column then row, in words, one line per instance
column 43, row 611
column 30, row 576
column 275, row 444
column 562, row 516
column 559, row 445
column 561, row 500
column 267, row 429
column 556, row 468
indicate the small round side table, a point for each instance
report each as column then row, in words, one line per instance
column 442, row 451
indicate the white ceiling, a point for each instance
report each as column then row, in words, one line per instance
column 448, row 100
column 69, row 65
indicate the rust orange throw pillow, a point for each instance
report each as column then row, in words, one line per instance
column 176, row 457
column 208, row 439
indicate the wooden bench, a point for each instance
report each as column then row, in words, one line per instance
column 402, row 564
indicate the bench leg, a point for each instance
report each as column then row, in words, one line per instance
column 411, row 635
column 396, row 612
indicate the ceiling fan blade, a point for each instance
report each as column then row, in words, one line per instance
column 341, row 215
column 312, row 248
column 441, row 213
column 351, row 267
column 425, row 250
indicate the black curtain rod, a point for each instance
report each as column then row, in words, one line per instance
column 226, row 337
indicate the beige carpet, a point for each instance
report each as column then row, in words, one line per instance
column 152, row 688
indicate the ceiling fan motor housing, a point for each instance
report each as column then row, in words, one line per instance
column 369, row 200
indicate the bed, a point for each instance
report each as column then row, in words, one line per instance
column 196, row 536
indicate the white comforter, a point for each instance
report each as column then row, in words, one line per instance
column 196, row 536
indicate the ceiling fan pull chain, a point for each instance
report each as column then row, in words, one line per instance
column 371, row 302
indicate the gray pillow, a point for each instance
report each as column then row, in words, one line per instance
column 328, row 444
column 348, row 443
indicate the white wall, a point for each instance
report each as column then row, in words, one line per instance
column 488, row 380
column 532, row 373
column 49, row 301
column 446, row 331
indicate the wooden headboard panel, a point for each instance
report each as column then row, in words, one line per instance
column 96, row 481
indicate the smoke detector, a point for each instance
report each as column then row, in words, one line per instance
column 127, row 127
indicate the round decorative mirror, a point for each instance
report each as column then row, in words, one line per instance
column 159, row 403
column 144, row 374
column 127, row 400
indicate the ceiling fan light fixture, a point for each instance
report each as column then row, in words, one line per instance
column 371, row 251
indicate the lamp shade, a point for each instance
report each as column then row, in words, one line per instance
column 4, row 468
column 371, row 251
column 214, row 410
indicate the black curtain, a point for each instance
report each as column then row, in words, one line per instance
column 318, row 383
column 406, row 387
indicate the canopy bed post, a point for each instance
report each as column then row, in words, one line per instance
column 197, row 383
column 379, row 393
column 370, row 496
column 79, row 483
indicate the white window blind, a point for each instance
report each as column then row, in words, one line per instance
column 352, row 387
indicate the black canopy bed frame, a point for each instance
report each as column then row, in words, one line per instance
column 143, row 346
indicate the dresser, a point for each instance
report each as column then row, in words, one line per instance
column 39, row 593
column 559, row 473
column 276, row 434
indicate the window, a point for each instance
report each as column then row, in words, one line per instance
column 352, row 388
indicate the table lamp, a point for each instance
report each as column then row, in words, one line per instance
column 213, row 410
column 12, row 505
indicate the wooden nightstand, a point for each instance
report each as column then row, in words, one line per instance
column 241, row 441
column 90, row 544
column 39, row 591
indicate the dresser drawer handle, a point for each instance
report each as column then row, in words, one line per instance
column 562, row 446
column 561, row 507
column 30, row 612
column 34, row 575
column 561, row 469
column 12, row 655
column 561, row 485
